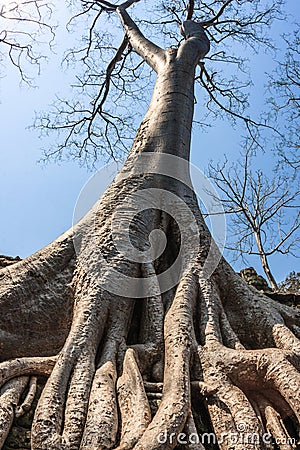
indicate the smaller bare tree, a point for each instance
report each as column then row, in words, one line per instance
column 264, row 216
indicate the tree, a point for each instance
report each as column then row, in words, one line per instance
column 264, row 210
column 100, row 313
column 96, row 121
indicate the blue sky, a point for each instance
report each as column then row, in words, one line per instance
column 37, row 201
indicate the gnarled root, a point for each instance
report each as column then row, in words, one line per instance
column 27, row 402
column 241, row 376
column 102, row 418
column 272, row 421
column 133, row 402
column 61, row 412
column 10, row 395
column 102, row 421
column 130, row 383
column 13, row 386
column 25, row 366
column 174, row 407
column 249, row 390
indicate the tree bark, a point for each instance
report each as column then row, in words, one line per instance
column 134, row 359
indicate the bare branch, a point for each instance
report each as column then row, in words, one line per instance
column 21, row 26
column 211, row 88
column 151, row 53
column 190, row 10
column 217, row 16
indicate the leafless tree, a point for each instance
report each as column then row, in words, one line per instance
column 264, row 211
column 139, row 342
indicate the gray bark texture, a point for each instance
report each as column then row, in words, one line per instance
column 210, row 354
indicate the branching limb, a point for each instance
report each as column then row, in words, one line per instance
column 151, row 53
column 213, row 89
column 190, row 10
column 103, row 93
column 264, row 217
column 214, row 19
column 16, row 41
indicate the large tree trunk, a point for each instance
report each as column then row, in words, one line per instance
column 142, row 343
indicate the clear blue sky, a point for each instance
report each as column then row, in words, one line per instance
column 36, row 201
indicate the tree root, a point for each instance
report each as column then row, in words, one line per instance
column 191, row 432
column 272, row 421
column 102, row 418
column 231, row 374
column 133, row 403
column 240, row 374
column 27, row 402
column 61, row 410
column 102, row 421
column 25, row 366
column 124, row 382
column 174, row 407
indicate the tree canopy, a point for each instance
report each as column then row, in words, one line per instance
column 111, row 76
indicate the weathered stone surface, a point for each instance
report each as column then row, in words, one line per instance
column 8, row 260
column 251, row 277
